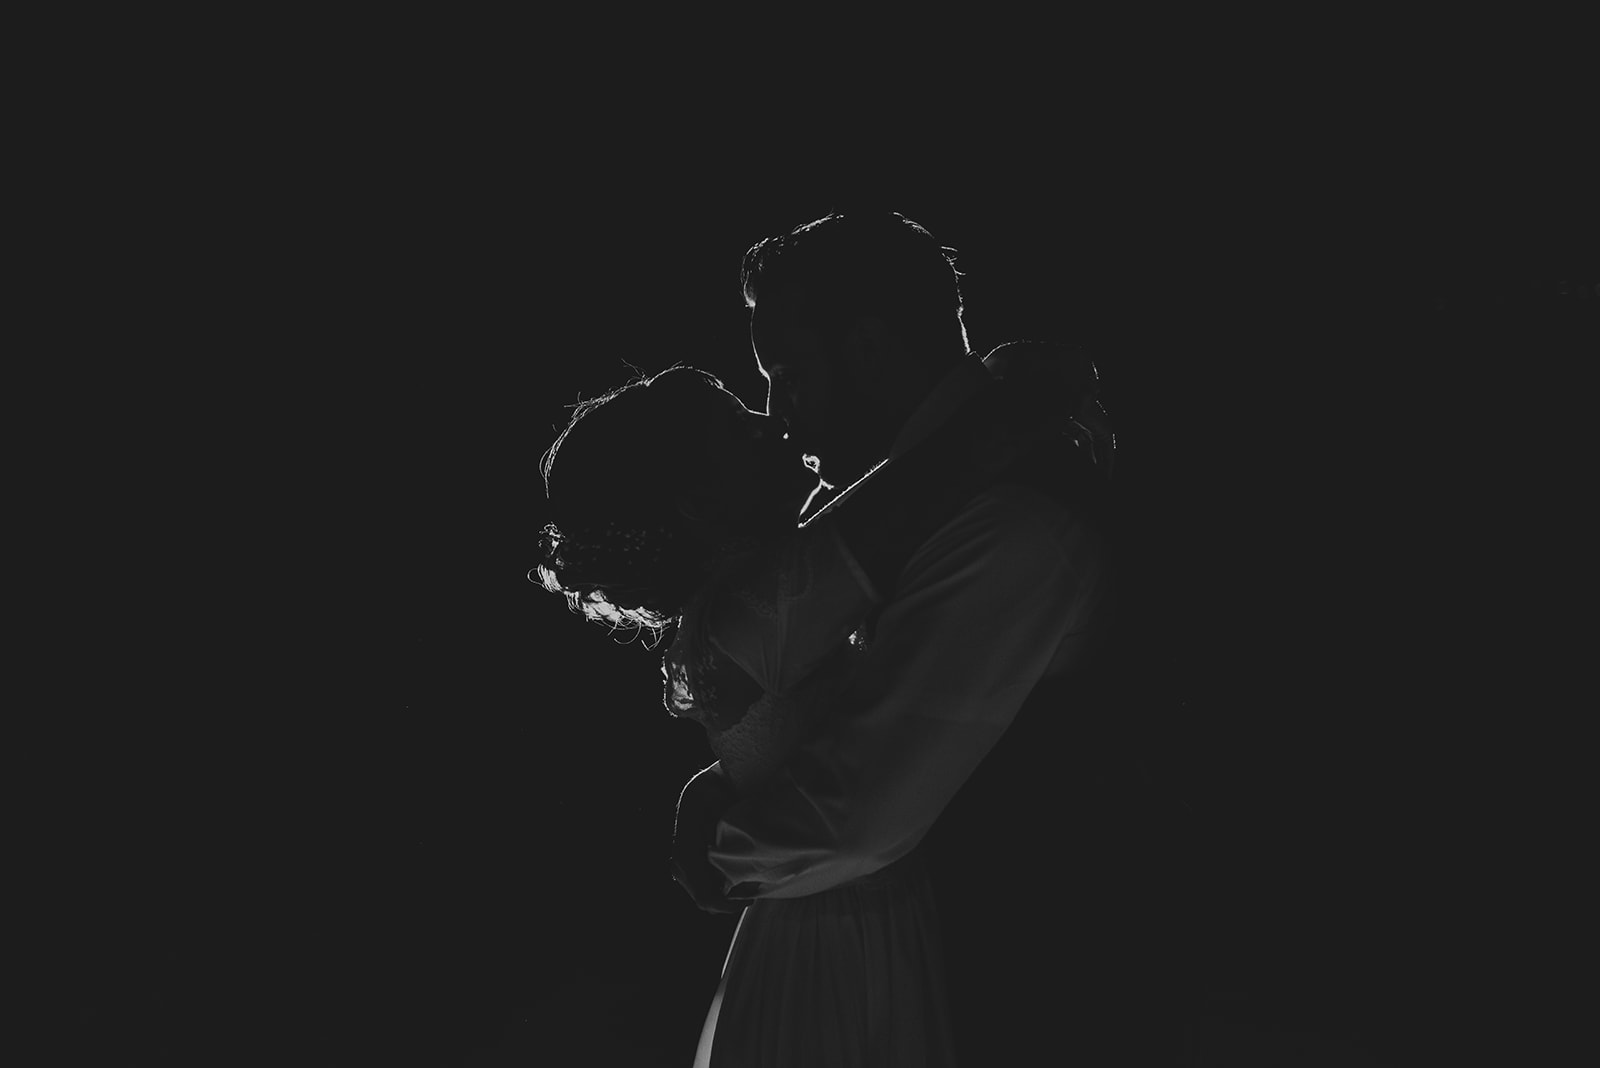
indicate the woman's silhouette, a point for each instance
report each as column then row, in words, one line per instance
column 697, row 534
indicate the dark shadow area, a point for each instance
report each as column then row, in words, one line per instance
column 378, row 800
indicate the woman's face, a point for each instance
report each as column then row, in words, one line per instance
column 752, row 479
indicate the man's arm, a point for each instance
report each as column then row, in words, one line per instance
column 977, row 617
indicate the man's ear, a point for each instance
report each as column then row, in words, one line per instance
column 871, row 331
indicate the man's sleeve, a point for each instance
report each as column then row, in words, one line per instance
column 975, row 620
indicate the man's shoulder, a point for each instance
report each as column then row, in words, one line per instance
column 1055, row 483
column 1013, row 517
column 1014, row 535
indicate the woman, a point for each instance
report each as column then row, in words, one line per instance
column 703, row 535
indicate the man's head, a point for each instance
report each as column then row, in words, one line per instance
column 854, row 318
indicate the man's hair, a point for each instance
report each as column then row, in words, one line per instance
column 878, row 263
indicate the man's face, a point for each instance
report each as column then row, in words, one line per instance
column 828, row 415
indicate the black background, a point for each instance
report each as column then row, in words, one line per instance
column 366, row 795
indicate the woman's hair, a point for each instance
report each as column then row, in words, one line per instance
column 616, row 550
column 866, row 263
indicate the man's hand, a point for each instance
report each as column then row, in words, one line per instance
column 700, row 806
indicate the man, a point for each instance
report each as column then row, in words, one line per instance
column 974, row 714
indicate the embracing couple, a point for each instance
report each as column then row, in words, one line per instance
column 907, row 693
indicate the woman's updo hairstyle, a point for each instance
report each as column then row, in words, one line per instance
column 616, row 548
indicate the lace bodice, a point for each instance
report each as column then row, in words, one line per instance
column 759, row 648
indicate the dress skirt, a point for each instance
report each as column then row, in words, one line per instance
column 852, row 977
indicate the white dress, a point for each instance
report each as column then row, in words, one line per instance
column 851, row 976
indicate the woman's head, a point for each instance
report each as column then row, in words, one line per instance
column 650, row 484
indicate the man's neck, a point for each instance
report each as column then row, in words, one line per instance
column 936, row 407
column 940, row 403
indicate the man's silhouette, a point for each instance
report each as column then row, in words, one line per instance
column 983, row 727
